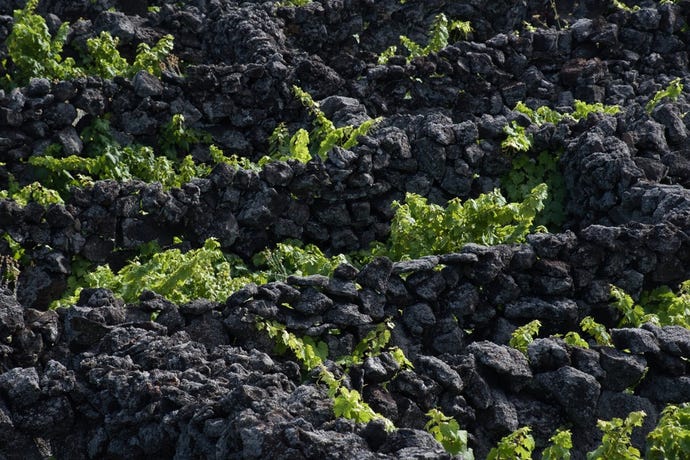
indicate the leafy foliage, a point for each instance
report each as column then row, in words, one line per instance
column 439, row 34
column 517, row 139
column 541, row 115
column 153, row 59
column 672, row 91
column 632, row 315
column 375, row 343
column 623, row 6
column 671, row 437
column 524, row 335
column 420, row 229
column 109, row 160
column 616, row 439
column 34, row 191
column 371, row 345
column 447, row 431
column 670, row 309
column 516, row 446
column 322, row 138
column 596, row 330
column 179, row 276
column 294, row 2
column 348, row 403
column 10, row 263
column 290, row 258
column 34, row 52
column 581, row 110
column 309, row 353
column 660, row 306
column 559, row 449
column 282, row 146
column 573, row 339
column 103, row 58
column 529, row 171
column 176, row 137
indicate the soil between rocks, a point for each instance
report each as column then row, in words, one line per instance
column 99, row 380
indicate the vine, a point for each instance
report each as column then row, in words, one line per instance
column 419, row 228
column 439, row 33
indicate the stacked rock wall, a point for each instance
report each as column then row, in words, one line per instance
column 101, row 380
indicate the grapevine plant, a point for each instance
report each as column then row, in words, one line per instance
column 34, row 52
column 531, row 168
column 439, row 33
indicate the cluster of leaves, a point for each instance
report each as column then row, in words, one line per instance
column 516, row 446
column 660, row 306
column 103, row 58
column 615, row 443
column 177, row 137
column 529, row 169
column 420, row 229
column 446, row 431
column 623, row 6
column 292, row 258
column 109, row 160
column 373, row 344
column 517, row 139
column 10, row 262
column 574, row 339
column 34, row 191
column 632, row 315
column 347, row 403
column 308, row 352
column 671, row 437
column 581, row 110
column 294, row 2
column 526, row 173
column 205, row 272
column 35, row 53
column 439, row 34
column 672, row 91
column 559, row 449
column 597, row 330
column 304, row 145
column 524, row 335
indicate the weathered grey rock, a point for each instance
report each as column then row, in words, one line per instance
column 441, row 372
column 418, row 317
column 21, row 386
column 146, row 85
column 507, row 363
column 375, row 274
column 576, row 392
column 547, row 355
column 313, row 302
column 638, row 341
column 622, row 370
column 11, row 315
column 559, row 314
column 674, row 340
column 346, row 315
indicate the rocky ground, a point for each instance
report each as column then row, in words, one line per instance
column 100, row 380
